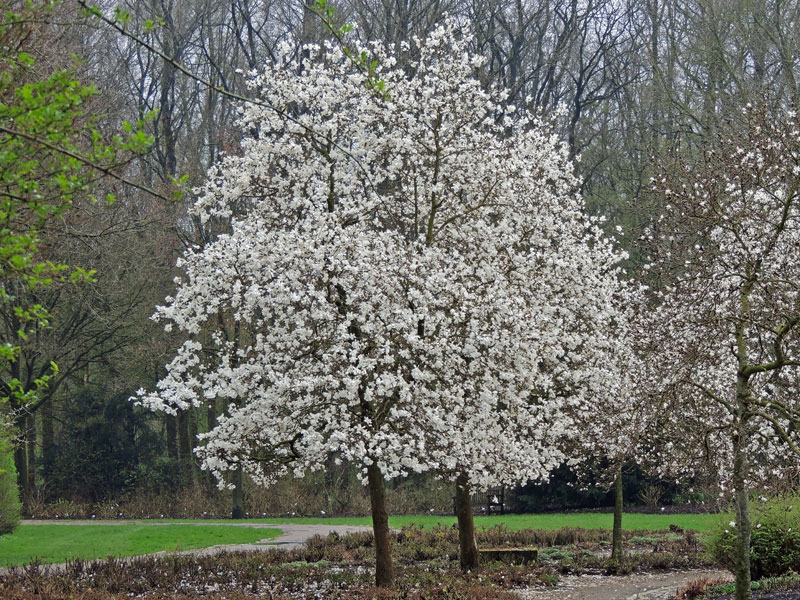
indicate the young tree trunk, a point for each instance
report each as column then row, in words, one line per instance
column 21, row 465
column 384, row 572
column 467, row 547
column 616, row 536
column 237, row 512
column 742, row 513
column 30, row 442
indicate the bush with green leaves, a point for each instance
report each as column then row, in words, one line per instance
column 775, row 543
column 10, row 507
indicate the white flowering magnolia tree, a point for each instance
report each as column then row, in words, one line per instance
column 415, row 283
column 724, row 342
column 618, row 431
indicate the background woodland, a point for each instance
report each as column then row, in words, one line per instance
column 626, row 84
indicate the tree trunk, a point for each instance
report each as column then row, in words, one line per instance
column 237, row 512
column 30, row 442
column 467, row 547
column 172, row 436
column 211, row 415
column 21, row 465
column 384, row 572
column 194, row 431
column 616, row 536
column 742, row 513
column 167, row 100
column 184, row 444
column 211, row 421
column 48, row 429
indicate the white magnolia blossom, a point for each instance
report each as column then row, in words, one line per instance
column 409, row 271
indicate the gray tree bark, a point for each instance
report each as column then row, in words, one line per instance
column 616, row 535
column 467, row 546
column 743, row 530
column 384, row 570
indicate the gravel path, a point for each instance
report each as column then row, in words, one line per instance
column 637, row 586
column 294, row 537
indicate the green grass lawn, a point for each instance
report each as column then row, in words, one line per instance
column 59, row 543
column 630, row 521
column 702, row 522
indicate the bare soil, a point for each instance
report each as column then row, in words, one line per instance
column 637, row 586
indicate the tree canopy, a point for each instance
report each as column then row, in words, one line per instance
column 415, row 281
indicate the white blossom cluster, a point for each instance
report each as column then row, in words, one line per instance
column 410, row 272
column 627, row 425
column 724, row 340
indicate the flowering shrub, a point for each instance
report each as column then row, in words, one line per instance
column 775, row 542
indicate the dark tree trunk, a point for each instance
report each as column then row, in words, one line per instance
column 165, row 118
column 211, row 421
column 211, row 414
column 184, row 443
column 237, row 512
column 30, row 442
column 616, row 536
column 467, row 546
column 194, row 431
column 21, row 465
column 48, row 430
column 172, row 436
column 384, row 572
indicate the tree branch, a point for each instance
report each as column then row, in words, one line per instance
column 89, row 163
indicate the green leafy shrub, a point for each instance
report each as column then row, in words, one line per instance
column 10, row 508
column 775, row 542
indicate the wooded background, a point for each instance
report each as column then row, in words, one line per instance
column 625, row 83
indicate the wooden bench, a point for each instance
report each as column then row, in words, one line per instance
column 489, row 502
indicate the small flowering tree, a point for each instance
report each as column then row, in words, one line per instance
column 414, row 282
column 617, row 434
column 724, row 341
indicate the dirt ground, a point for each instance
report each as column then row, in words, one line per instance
column 637, row 586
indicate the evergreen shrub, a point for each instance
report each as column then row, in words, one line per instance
column 10, row 507
column 775, row 542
